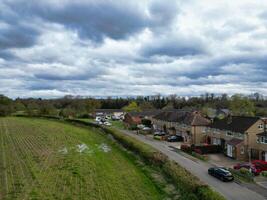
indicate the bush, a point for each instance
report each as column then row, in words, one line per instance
column 199, row 156
column 264, row 173
column 205, row 149
column 147, row 123
column 133, row 127
column 242, row 174
column 206, row 193
column 186, row 148
column 245, row 171
column 190, row 186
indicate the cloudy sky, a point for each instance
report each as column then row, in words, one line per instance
column 50, row 48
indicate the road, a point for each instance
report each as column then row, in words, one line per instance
column 231, row 191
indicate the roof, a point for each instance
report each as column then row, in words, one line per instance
column 108, row 110
column 146, row 113
column 234, row 141
column 238, row 124
column 264, row 134
column 185, row 117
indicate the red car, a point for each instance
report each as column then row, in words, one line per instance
column 260, row 164
column 254, row 169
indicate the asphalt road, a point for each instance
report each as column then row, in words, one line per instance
column 229, row 190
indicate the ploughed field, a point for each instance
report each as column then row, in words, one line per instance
column 44, row 159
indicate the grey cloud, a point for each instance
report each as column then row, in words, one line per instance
column 174, row 47
column 17, row 36
column 96, row 20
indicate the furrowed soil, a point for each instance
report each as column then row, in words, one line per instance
column 44, row 159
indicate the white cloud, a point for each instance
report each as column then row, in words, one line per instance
column 190, row 47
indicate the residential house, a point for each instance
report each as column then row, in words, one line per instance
column 117, row 113
column 259, row 149
column 237, row 135
column 188, row 124
column 135, row 118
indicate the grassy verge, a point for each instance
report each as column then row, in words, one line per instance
column 247, row 178
column 189, row 185
column 118, row 124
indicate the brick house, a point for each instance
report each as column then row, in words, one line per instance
column 259, row 149
column 135, row 118
column 188, row 124
column 238, row 136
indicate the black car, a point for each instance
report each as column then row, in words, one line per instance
column 159, row 133
column 175, row 138
column 221, row 173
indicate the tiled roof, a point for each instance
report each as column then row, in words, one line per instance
column 146, row 113
column 234, row 141
column 108, row 110
column 238, row 124
column 262, row 134
column 185, row 117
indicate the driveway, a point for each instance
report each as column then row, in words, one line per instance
column 222, row 160
column 231, row 191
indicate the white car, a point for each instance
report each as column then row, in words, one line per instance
column 107, row 123
column 146, row 129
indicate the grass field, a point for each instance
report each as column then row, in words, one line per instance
column 42, row 159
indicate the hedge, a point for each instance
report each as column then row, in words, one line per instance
column 190, row 185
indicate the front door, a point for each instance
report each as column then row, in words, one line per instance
column 264, row 156
column 229, row 150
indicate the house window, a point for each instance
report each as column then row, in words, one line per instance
column 203, row 130
column 262, row 140
column 260, row 126
column 216, row 141
column 242, row 150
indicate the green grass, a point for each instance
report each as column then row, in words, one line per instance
column 86, row 120
column 34, row 164
column 118, row 124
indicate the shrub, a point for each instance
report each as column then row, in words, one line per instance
column 242, row 174
column 199, row 156
column 264, row 173
column 206, row 193
column 186, row 148
column 205, row 149
column 245, row 171
column 191, row 187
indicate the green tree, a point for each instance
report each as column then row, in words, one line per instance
column 91, row 105
column 132, row 107
column 5, row 105
column 241, row 105
column 67, row 112
column 48, row 109
column 33, row 109
column 146, row 106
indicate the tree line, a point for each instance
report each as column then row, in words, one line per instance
column 76, row 106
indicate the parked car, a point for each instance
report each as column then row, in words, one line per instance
column 107, row 123
column 99, row 122
column 174, row 138
column 254, row 169
column 221, row 173
column 146, row 129
column 140, row 126
column 260, row 164
column 159, row 133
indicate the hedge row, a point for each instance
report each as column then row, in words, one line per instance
column 190, row 186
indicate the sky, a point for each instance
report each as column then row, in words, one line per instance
column 52, row 48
